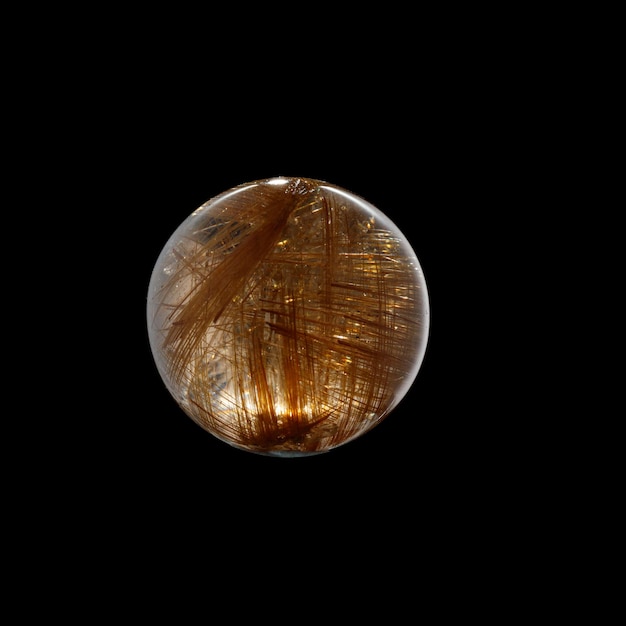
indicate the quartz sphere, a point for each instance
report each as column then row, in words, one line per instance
column 287, row 316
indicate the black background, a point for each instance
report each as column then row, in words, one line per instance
column 422, row 160
column 125, row 124
column 144, row 145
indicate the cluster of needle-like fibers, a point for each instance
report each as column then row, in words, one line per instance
column 287, row 316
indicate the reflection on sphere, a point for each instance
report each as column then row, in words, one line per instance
column 287, row 316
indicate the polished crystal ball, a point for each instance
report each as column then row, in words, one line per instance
column 287, row 316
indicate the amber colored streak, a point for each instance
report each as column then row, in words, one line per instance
column 216, row 289
column 352, row 397
column 261, row 387
column 291, row 361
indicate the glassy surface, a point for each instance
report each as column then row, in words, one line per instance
column 287, row 316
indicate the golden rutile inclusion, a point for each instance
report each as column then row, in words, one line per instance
column 287, row 316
